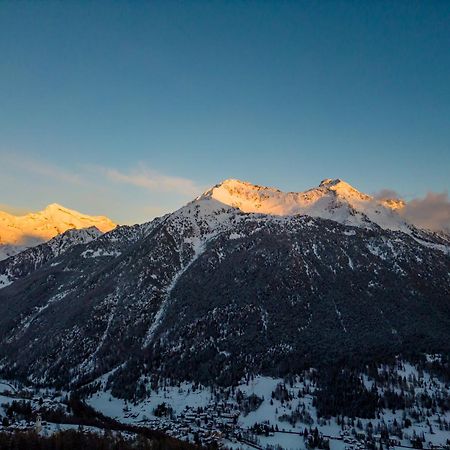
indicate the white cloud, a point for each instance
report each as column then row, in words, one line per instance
column 431, row 212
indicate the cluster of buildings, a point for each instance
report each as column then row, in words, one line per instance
column 205, row 425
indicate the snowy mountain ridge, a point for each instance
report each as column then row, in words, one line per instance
column 333, row 199
column 18, row 233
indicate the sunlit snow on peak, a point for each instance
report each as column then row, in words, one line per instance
column 333, row 199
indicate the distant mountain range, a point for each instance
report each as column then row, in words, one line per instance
column 18, row 233
column 243, row 279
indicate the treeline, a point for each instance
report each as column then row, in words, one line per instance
column 76, row 440
column 341, row 390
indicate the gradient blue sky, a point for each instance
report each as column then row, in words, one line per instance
column 129, row 109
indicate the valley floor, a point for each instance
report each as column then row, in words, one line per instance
column 269, row 413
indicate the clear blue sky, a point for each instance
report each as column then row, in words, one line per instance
column 130, row 108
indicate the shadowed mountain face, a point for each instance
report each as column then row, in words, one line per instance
column 31, row 259
column 211, row 292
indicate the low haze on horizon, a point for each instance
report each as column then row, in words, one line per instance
column 132, row 109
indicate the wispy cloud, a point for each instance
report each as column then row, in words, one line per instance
column 155, row 192
column 154, row 181
column 142, row 176
column 43, row 168
column 431, row 212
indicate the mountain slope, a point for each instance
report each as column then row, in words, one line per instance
column 31, row 259
column 211, row 292
column 20, row 232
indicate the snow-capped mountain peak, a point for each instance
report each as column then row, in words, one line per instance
column 62, row 217
column 343, row 189
column 20, row 232
column 333, row 199
column 53, row 206
column 268, row 200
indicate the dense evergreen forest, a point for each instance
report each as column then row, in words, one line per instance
column 76, row 440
